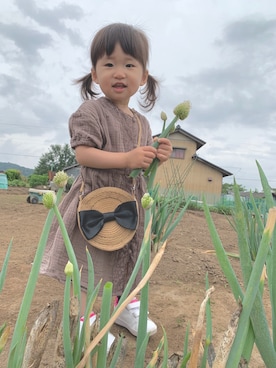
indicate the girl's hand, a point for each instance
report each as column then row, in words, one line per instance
column 164, row 149
column 141, row 157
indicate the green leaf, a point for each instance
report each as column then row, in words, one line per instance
column 5, row 266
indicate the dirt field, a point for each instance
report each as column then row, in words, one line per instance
column 177, row 287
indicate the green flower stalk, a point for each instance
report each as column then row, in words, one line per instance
column 142, row 324
column 68, row 353
column 105, row 316
column 70, row 252
column 181, row 111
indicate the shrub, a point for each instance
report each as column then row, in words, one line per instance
column 13, row 174
column 36, row 180
column 18, row 183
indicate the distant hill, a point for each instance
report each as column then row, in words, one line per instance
column 8, row 165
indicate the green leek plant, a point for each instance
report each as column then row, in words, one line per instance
column 19, row 336
column 142, row 327
column 5, row 266
column 253, row 326
column 167, row 210
column 4, row 329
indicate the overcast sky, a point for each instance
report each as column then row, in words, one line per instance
column 220, row 55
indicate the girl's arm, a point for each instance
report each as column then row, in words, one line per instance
column 140, row 157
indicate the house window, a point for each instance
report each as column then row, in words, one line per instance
column 178, row 153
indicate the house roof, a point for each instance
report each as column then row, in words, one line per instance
column 205, row 162
column 71, row 167
column 199, row 142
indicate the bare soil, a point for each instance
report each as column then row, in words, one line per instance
column 177, row 287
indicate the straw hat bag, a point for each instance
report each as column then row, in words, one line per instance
column 108, row 218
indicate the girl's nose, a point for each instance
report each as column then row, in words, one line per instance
column 119, row 72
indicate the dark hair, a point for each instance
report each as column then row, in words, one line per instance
column 133, row 42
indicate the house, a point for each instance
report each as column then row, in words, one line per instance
column 189, row 172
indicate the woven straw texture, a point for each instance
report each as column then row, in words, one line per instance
column 112, row 236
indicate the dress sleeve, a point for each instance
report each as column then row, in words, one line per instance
column 85, row 128
column 147, row 136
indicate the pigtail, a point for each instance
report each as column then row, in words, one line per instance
column 86, row 90
column 149, row 93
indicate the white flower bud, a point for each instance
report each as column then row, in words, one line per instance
column 68, row 270
column 49, row 199
column 60, row 179
column 147, row 201
column 182, row 110
column 163, row 116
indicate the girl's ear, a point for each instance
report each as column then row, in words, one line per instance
column 94, row 75
column 144, row 78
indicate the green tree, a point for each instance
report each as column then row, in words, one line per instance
column 56, row 159
column 228, row 188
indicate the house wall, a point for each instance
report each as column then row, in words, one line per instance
column 204, row 180
column 194, row 177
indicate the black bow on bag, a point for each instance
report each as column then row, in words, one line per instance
column 92, row 221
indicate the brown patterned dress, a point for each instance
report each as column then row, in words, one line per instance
column 100, row 124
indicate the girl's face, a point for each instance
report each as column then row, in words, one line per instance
column 119, row 75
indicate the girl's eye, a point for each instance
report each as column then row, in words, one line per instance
column 109, row 65
column 129, row 65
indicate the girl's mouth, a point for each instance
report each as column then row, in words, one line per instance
column 119, row 86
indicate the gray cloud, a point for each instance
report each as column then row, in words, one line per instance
column 8, row 85
column 34, row 118
column 28, row 108
column 53, row 18
column 27, row 41
column 240, row 88
column 249, row 32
